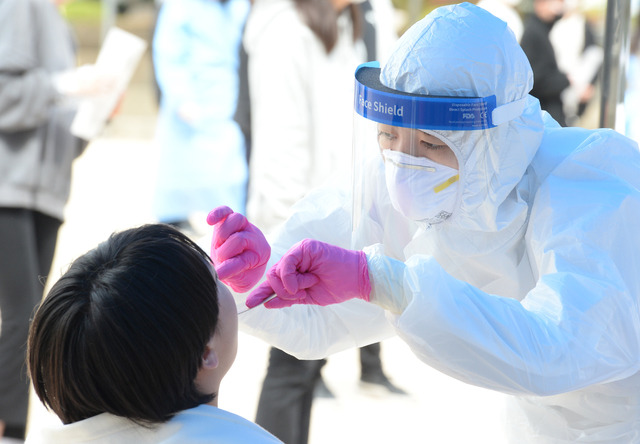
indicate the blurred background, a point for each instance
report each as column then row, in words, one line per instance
column 91, row 19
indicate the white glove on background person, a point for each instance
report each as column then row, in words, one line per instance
column 84, row 81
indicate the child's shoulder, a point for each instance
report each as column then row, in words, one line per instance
column 207, row 423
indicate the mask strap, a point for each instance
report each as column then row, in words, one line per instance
column 446, row 183
column 509, row 111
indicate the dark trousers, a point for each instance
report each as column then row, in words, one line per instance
column 370, row 363
column 27, row 245
column 284, row 408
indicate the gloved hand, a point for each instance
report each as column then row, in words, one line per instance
column 313, row 272
column 239, row 250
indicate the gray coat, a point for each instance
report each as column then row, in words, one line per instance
column 36, row 147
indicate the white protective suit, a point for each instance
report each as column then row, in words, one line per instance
column 531, row 287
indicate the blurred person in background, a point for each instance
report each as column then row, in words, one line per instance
column 301, row 59
column 40, row 87
column 202, row 155
column 579, row 56
column 632, row 92
column 549, row 81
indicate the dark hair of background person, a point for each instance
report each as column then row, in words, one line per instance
column 322, row 18
column 123, row 331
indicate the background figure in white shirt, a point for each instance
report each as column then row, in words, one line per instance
column 301, row 59
column 579, row 55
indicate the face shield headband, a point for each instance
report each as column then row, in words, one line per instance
column 376, row 102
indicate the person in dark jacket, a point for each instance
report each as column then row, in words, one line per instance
column 548, row 80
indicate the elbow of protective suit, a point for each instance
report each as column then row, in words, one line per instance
column 387, row 280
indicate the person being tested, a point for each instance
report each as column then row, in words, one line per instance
column 499, row 246
column 132, row 343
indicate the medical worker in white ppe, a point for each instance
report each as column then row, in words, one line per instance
column 501, row 247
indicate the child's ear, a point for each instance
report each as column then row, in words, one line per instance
column 209, row 357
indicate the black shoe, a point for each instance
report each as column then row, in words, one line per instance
column 380, row 384
column 322, row 391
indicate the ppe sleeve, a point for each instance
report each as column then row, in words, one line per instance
column 313, row 332
column 579, row 325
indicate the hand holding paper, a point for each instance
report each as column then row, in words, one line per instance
column 118, row 59
column 84, row 81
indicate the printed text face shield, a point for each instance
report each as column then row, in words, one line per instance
column 400, row 140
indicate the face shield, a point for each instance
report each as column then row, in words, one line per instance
column 408, row 142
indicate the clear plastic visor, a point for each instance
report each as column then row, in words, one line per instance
column 400, row 163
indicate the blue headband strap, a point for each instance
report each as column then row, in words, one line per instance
column 383, row 105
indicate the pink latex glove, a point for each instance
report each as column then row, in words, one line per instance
column 313, row 272
column 239, row 250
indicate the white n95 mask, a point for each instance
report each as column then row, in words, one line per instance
column 420, row 189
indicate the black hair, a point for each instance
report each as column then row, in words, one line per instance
column 124, row 330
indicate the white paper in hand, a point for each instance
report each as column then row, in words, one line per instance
column 120, row 54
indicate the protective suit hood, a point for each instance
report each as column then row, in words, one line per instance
column 435, row 57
